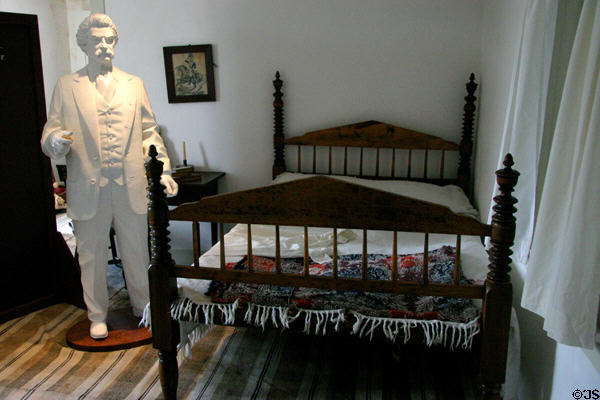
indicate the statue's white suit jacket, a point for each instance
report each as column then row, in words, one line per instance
column 73, row 108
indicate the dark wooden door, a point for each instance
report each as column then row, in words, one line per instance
column 28, row 233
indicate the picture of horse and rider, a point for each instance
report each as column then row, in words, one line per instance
column 190, row 74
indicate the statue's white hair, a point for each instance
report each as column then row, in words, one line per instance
column 95, row 20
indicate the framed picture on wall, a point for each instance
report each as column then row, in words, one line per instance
column 189, row 72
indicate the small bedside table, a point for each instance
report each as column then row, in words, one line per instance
column 205, row 184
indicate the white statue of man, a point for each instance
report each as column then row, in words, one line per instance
column 100, row 119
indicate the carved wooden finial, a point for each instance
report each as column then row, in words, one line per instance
column 503, row 223
column 277, row 83
column 278, row 139
column 508, row 163
column 466, row 142
column 154, row 167
column 471, row 85
column 158, row 211
column 152, row 152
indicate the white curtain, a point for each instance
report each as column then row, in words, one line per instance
column 524, row 122
column 563, row 273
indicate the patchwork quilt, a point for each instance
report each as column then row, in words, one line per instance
column 410, row 268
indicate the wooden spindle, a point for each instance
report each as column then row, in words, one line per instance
column 299, row 159
column 442, row 165
column 365, row 275
column 329, row 160
column 277, row 250
column 425, row 164
column 278, row 139
column 503, row 224
column 377, row 163
column 196, row 239
column 426, row 260
column 314, row 159
column 361, row 162
column 335, row 254
column 306, row 271
column 222, row 245
column 250, row 258
column 393, row 174
column 463, row 177
column 395, row 258
column 457, row 262
column 345, row 160
column 409, row 162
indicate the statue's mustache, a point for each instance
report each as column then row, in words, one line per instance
column 103, row 52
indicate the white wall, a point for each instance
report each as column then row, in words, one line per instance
column 548, row 370
column 342, row 61
column 501, row 24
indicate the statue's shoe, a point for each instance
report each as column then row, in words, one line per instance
column 98, row 330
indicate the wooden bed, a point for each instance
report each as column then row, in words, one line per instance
column 315, row 202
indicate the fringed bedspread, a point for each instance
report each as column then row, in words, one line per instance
column 451, row 322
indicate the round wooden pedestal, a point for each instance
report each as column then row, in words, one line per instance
column 123, row 333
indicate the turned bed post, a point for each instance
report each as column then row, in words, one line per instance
column 278, row 140
column 163, row 289
column 498, row 288
column 466, row 141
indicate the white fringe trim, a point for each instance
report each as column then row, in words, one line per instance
column 181, row 309
column 258, row 315
column 190, row 334
column 322, row 317
column 446, row 333
column 146, row 320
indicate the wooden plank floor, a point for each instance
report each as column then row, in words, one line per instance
column 228, row 363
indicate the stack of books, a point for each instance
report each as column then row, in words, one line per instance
column 185, row 173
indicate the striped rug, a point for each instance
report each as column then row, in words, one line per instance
column 228, row 363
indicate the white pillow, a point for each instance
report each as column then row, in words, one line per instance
column 450, row 196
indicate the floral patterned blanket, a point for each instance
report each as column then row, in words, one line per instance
column 410, row 268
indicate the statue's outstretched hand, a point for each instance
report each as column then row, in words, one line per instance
column 171, row 187
column 61, row 142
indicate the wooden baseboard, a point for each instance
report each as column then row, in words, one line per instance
column 26, row 308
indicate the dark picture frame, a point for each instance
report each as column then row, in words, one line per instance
column 189, row 72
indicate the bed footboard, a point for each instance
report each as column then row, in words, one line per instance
column 319, row 208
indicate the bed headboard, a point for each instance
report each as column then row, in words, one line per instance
column 377, row 135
